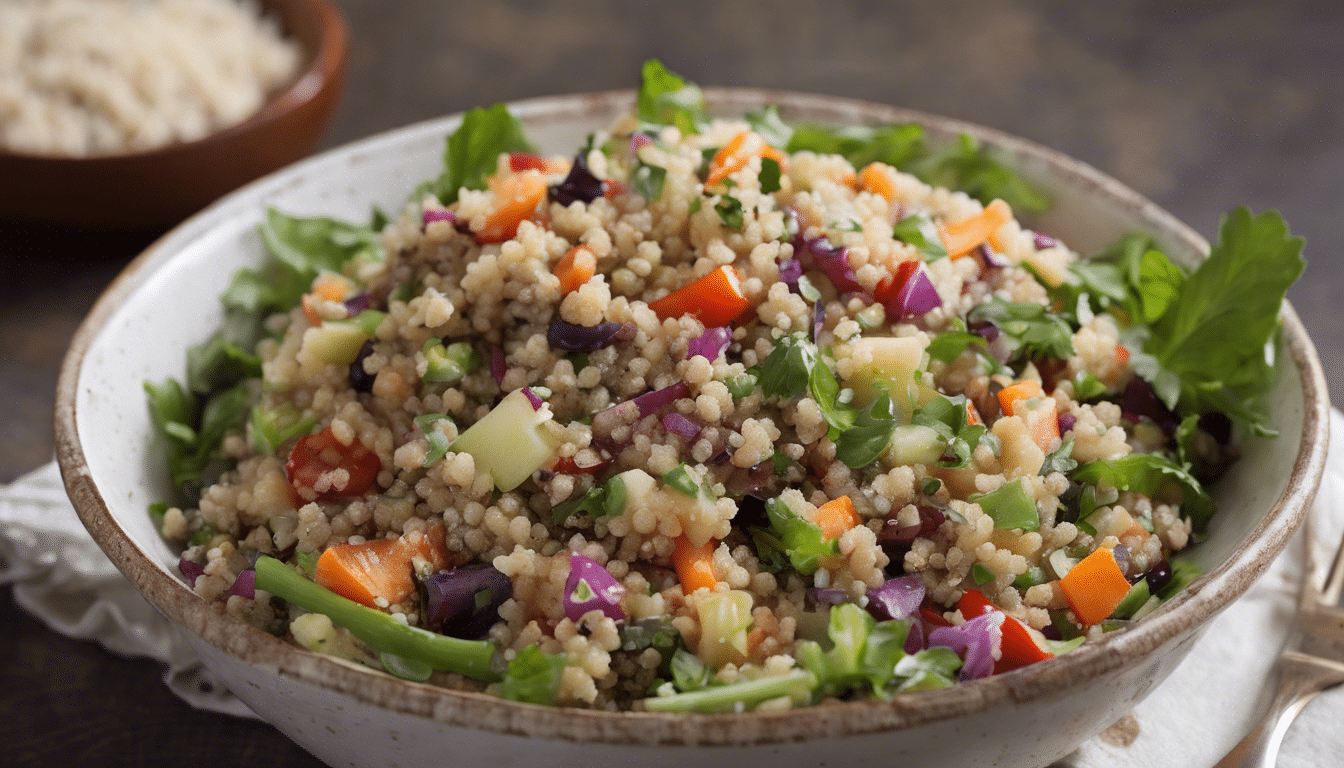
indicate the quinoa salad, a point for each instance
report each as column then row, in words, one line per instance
column 712, row 414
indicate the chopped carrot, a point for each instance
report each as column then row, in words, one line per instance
column 1094, row 587
column 694, row 565
column 876, row 178
column 1023, row 390
column 1121, row 355
column 381, row 568
column 736, row 153
column 331, row 286
column 366, row 572
column 835, row 517
column 964, row 236
column 575, row 268
column 1027, row 400
column 716, row 299
column 516, row 197
column 972, row 415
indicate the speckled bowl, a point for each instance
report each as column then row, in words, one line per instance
column 347, row 715
column 157, row 188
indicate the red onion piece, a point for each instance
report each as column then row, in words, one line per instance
column 638, row 141
column 675, row 422
column 818, row 319
column 455, row 605
column 975, row 641
column 360, row 379
column 827, row 596
column 916, row 297
column 1065, row 422
column 533, row 398
column 897, row 598
column 651, row 401
column 1043, row 241
column 789, row 272
column 989, row 258
column 190, row 570
column 985, row 329
column 710, row 344
column 245, row 585
column 591, row 587
column 914, row 641
column 498, row 367
column 358, row 303
column 835, row 263
column 580, row 338
column 438, row 215
column 580, row 184
column 1121, row 555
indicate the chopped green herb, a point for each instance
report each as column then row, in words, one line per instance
column 729, row 209
column 920, row 232
column 474, row 148
column 770, row 175
column 1010, row 507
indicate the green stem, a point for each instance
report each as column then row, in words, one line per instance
column 797, row 685
column 384, row 633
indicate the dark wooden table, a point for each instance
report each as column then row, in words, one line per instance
column 1201, row 107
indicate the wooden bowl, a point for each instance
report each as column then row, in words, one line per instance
column 156, row 189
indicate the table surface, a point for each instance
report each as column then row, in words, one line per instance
column 1201, row 107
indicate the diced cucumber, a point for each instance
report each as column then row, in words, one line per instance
column 894, row 365
column 1060, row 563
column 334, row 341
column 510, row 442
column 1134, row 599
column 914, row 444
column 449, row 363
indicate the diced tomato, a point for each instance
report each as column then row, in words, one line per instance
column 567, row 466
column 526, row 161
column 317, row 456
column 888, row 289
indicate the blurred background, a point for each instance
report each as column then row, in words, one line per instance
column 1200, row 106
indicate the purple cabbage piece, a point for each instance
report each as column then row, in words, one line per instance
column 533, row 398
column 789, row 272
column 591, row 587
column 465, row 602
column 818, row 320
column 190, row 569
column 1043, row 241
column 432, row 215
column 360, row 379
column 639, row 141
column 975, row 641
column 835, row 263
column 1121, row 555
column 245, row 585
column 914, row 640
column 676, row 423
column 580, row 184
column 710, row 344
column 985, row 330
column 898, row 598
column 914, row 298
column 498, row 367
column 580, row 338
column 651, row 401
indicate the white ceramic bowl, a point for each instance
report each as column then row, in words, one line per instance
column 347, row 715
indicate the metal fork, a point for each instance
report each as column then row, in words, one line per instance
column 1313, row 662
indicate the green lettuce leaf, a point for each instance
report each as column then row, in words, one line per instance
column 533, row 677
column 1151, row 475
column 802, row 541
column 668, row 99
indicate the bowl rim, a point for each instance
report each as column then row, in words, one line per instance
column 1208, row 595
column 320, row 66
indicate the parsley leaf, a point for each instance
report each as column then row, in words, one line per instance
column 947, row 416
column 770, row 126
column 1061, row 460
column 920, row 232
column 1150, row 474
column 897, row 144
column 966, row 167
column 668, row 99
column 729, row 209
column 648, row 180
column 863, row 653
column 1215, row 332
column 474, row 149
column 861, row 444
column 770, row 175
column 533, row 676
column 1031, row 329
column 804, row 542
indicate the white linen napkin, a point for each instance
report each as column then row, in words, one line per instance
column 1192, row 719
